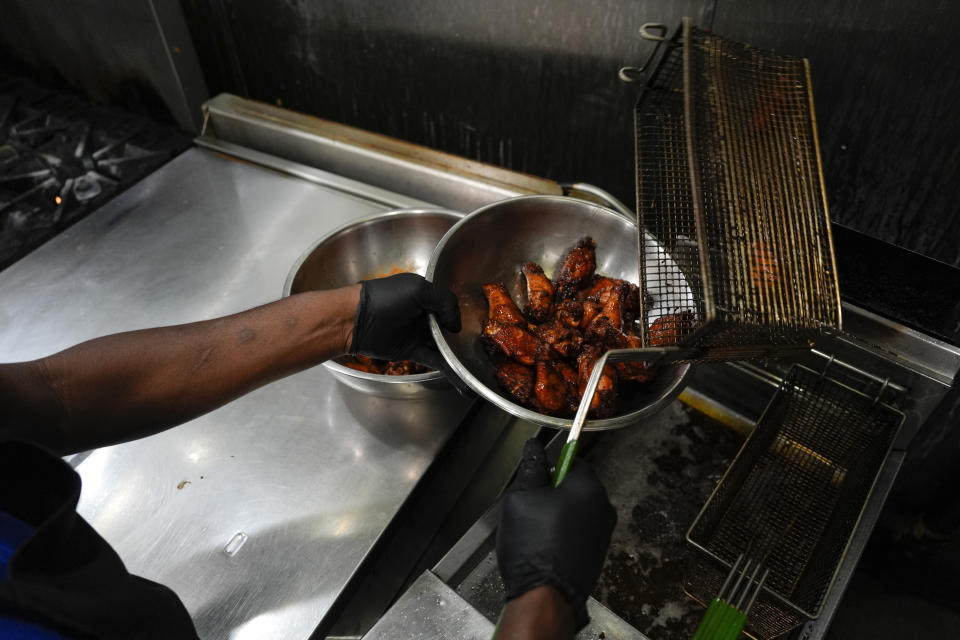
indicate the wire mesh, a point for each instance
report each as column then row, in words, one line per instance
column 793, row 496
column 729, row 183
column 664, row 199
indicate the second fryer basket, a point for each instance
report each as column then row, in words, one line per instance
column 793, row 496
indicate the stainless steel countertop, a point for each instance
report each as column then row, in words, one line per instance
column 256, row 514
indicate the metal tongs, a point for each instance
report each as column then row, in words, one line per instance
column 658, row 355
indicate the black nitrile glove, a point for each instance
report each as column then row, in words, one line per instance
column 555, row 537
column 391, row 322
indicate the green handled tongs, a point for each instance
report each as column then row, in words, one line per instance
column 569, row 450
column 727, row 614
column 660, row 355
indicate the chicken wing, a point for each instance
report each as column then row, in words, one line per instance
column 633, row 371
column 615, row 299
column 604, row 402
column 590, row 311
column 515, row 379
column 669, row 329
column 501, row 306
column 598, row 289
column 514, row 342
column 570, row 312
column 571, row 379
column 576, row 268
column 365, row 364
column 601, row 287
column 631, row 306
column 604, row 335
column 404, row 368
column 562, row 338
column 550, row 390
column 540, row 292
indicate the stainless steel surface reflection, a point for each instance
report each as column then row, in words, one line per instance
column 308, row 472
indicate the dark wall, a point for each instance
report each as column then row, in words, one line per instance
column 79, row 45
column 526, row 84
column 531, row 85
column 131, row 53
column 886, row 78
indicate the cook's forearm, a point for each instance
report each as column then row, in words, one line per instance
column 129, row 385
column 539, row 614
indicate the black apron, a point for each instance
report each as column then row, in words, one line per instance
column 65, row 575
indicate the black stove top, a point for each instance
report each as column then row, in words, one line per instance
column 62, row 157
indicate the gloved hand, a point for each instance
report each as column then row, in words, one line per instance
column 391, row 321
column 556, row 537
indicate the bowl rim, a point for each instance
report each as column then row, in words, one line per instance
column 603, row 424
column 336, row 367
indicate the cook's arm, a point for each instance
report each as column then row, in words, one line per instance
column 129, row 385
column 540, row 614
column 550, row 547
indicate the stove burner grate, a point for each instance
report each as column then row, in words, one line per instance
column 61, row 157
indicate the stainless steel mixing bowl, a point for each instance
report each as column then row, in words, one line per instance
column 490, row 244
column 374, row 247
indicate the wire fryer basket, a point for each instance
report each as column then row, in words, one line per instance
column 730, row 184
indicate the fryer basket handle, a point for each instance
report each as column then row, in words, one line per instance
column 636, row 75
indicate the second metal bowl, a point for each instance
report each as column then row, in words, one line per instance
column 374, row 247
